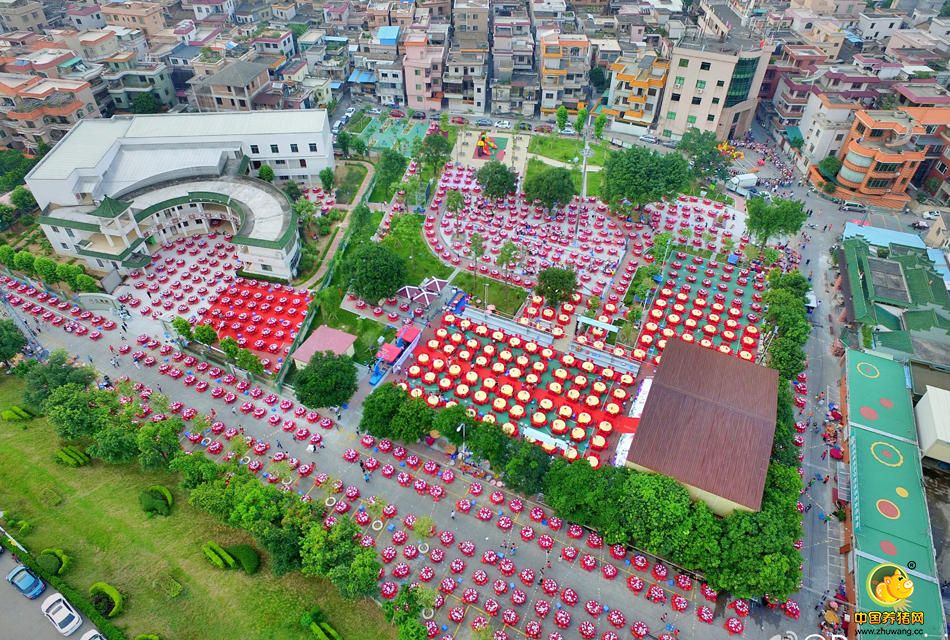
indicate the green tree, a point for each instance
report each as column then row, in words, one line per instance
column 23, row 261
column 829, row 167
column 557, row 285
column 771, row 220
column 598, row 78
column 266, row 173
column 435, row 151
column 76, row 412
column 497, row 180
column 195, row 470
column 361, row 577
column 326, row 178
column 561, row 117
column 380, row 408
column 581, row 120
column 390, row 167
column 376, row 272
column 580, row 493
column 700, row 549
column 7, row 254
column 700, row 147
column 638, row 175
column 551, row 186
column 454, row 201
column 344, row 140
column 413, row 420
column 328, row 380
column 46, row 269
column 447, row 422
column 656, row 512
column 183, row 328
column 85, row 283
column 11, row 340
column 508, row 254
column 44, row 378
column 334, row 553
column 68, row 273
column 412, row 630
column 786, row 356
column 359, row 146
column 488, row 442
column 292, row 189
column 230, row 347
column 116, row 443
column 477, row 247
column 22, row 198
column 527, row 467
column 249, row 362
column 7, row 216
column 145, row 103
column 205, row 334
column 599, row 123
column 158, row 443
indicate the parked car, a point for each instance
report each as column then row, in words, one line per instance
column 458, row 120
column 503, row 124
column 337, row 127
column 396, row 113
column 852, row 207
column 524, row 126
column 62, row 614
column 920, row 225
column 419, row 115
column 349, row 113
column 375, row 111
column 484, row 122
column 568, row 131
column 544, row 128
column 26, row 582
column 92, row 635
column 670, row 144
column 649, row 139
column 931, row 215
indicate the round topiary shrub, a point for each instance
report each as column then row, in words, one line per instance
column 49, row 563
column 147, row 636
column 62, row 558
column 106, row 599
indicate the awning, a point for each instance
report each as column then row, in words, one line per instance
column 435, row 284
column 408, row 333
column 425, row 297
column 388, row 353
column 409, row 292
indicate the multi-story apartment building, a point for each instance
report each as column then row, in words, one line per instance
column 920, row 94
column 36, row 110
column 465, row 80
column 127, row 77
column 636, row 89
column 147, row 16
column 378, row 62
column 64, row 64
column 885, row 152
column 232, row 88
column 438, row 9
column 85, row 16
column 275, row 42
column 515, row 83
column 879, row 25
column 22, row 15
column 423, row 66
column 824, row 125
column 326, row 56
column 846, row 81
column 847, row 9
column 794, row 59
column 470, row 18
column 564, row 66
column 205, row 9
column 284, row 11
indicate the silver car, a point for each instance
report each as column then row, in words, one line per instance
column 62, row 614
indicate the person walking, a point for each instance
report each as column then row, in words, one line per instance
column 452, row 515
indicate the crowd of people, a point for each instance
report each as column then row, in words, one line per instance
column 786, row 175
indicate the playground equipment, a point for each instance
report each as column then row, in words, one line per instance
column 485, row 145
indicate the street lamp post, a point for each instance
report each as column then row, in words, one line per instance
column 461, row 428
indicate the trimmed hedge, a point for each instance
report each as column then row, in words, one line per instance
column 147, row 636
column 16, row 414
column 163, row 490
column 246, row 556
column 72, row 456
column 111, row 592
column 62, row 559
column 154, row 502
column 330, row 631
column 49, row 563
column 218, row 556
column 317, row 631
column 76, row 598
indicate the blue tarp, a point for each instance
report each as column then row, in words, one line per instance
column 362, row 76
column 878, row 237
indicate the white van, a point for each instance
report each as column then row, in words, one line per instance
column 856, row 207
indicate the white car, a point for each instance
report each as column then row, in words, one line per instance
column 502, row 124
column 62, row 614
column 649, row 139
column 568, row 131
column 931, row 215
column 92, row 635
column 349, row 113
column 375, row 111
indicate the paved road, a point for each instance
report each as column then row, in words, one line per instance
column 22, row 619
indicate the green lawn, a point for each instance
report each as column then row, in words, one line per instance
column 359, row 122
column 420, row 261
column 506, row 298
column 367, row 331
column 349, row 179
column 566, row 149
column 99, row 523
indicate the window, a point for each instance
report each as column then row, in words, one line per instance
column 679, row 81
column 303, row 164
column 313, row 147
column 704, row 66
column 715, row 100
column 879, row 183
column 941, row 168
column 671, row 115
column 69, row 232
column 64, row 245
column 887, row 167
column 266, row 267
column 697, row 100
column 281, row 162
column 684, row 62
column 700, row 84
column 720, row 83
column 710, row 118
column 274, row 148
column 667, row 133
column 293, row 148
column 691, row 120
column 675, row 97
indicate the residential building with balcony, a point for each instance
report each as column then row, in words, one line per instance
column 848, row 9
column 329, row 57
column 850, row 83
column 85, row 16
column 465, row 80
column 438, row 9
column 22, row 15
column 377, row 14
column 423, row 66
column 127, row 77
column 886, row 152
column 879, row 25
column 470, row 19
column 713, row 82
column 564, row 66
column 916, row 40
column 336, row 16
column 824, row 125
column 515, row 84
column 378, row 53
column 64, row 64
column 232, row 88
column 275, row 42
column 284, row 12
column 636, row 91
column 921, row 94
column 111, row 188
column 604, row 52
column 205, row 9
column 147, row 16
column 794, row 59
column 36, row 110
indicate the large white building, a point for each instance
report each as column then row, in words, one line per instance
column 110, row 189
